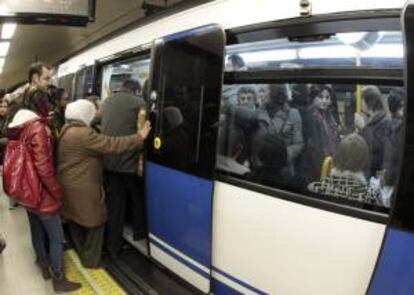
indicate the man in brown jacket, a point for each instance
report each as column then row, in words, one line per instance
column 81, row 152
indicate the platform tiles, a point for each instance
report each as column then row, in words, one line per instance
column 94, row 281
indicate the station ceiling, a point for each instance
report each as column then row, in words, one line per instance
column 53, row 43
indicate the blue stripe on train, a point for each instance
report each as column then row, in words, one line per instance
column 190, row 265
column 219, row 288
column 179, row 210
column 237, row 281
column 395, row 270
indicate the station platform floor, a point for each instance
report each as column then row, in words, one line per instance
column 131, row 273
column 20, row 276
column 18, row 272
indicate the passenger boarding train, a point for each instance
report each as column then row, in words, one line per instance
column 280, row 160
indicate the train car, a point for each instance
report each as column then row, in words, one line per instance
column 280, row 159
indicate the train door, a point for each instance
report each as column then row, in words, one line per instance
column 185, row 88
column 395, row 265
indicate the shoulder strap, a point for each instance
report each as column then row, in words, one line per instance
column 64, row 132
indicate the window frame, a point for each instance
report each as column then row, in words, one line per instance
column 82, row 71
column 140, row 53
column 379, row 20
column 64, row 78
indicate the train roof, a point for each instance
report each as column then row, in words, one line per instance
column 228, row 13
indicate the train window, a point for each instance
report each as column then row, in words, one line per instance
column 115, row 74
column 84, row 82
column 310, row 139
column 365, row 49
column 66, row 82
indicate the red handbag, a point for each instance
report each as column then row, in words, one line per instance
column 20, row 179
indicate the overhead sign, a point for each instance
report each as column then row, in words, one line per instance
column 61, row 12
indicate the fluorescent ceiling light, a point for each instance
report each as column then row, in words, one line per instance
column 4, row 10
column 8, row 30
column 350, row 38
column 4, row 48
column 379, row 50
column 269, row 55
column 385, row 50
column 2, row 61
column 324, row 52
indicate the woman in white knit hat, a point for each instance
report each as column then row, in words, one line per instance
column 80, row 154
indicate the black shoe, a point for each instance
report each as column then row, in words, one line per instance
column 2, row 244
column 44, row 268
column 63, row 285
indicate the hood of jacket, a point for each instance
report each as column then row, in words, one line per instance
column 20, row 121
column 81, row 110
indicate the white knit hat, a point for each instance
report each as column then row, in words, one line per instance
column 81, row 110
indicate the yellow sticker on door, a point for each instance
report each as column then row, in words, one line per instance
column 157, row 143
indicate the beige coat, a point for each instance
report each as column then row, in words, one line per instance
column 80, row 155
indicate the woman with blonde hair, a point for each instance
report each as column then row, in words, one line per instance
column 347, row 180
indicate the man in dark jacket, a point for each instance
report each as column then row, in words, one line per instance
column 375, row 127
column 119, row 118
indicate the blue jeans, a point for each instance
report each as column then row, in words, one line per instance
column 47, row 240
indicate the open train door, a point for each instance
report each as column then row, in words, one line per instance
column 185, row 89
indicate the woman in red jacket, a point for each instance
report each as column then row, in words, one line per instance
column 45, row 226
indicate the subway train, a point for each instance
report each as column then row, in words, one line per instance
column 243, row 196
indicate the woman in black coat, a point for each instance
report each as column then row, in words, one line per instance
column 321, row 129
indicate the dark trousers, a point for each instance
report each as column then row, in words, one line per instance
column 47, row 240
column 123, row 187
column 88, row 243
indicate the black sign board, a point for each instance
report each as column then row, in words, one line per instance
column 57, row 12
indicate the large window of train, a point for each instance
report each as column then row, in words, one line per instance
column 365, row 49
column 309, row 139
column 114, row 75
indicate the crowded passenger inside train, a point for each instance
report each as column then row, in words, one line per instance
column 336, row 142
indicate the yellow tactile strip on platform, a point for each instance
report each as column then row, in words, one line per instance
column 94, row 281
column 75, row 275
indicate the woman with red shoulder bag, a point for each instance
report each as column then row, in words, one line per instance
column 29, row 177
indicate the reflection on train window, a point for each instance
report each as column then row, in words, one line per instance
column 309, row 139
column 84, row 83
column 180, row 127
column 368, row 49
column 115, row 74
column 66, row 82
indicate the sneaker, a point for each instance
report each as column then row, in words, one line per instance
column 63, row 285
column 44, row 268
column 2, row 244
